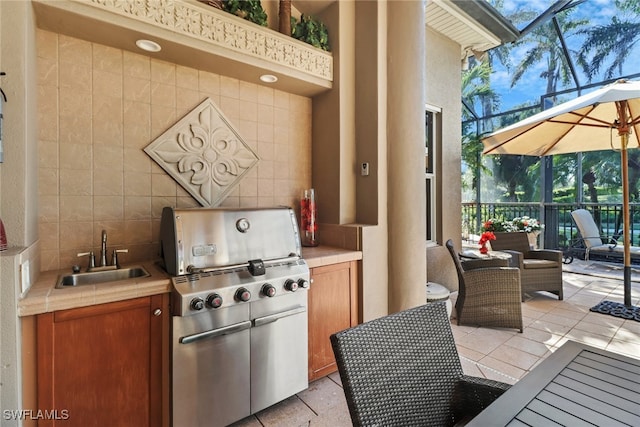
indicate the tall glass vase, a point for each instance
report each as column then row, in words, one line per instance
column 308, row 218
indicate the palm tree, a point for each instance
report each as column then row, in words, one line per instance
column 475, row 90
column 547, row 48
column 478, row 96
column 608, row 46
column 510, row 171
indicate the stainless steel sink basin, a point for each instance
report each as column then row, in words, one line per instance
column 103, row 276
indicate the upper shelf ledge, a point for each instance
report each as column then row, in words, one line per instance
column 194, row 35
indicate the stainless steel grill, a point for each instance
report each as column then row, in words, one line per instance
column 239, row 311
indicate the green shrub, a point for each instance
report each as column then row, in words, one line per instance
column 310, row 30
column 251, row 10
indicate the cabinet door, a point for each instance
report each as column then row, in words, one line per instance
column 333, row 306
column 102, row 365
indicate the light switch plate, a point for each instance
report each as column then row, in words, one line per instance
column 25, row 277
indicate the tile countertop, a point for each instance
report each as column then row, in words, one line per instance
column 326, row 255
column 43, row 297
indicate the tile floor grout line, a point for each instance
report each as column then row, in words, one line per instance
column 491, row 369
column 317, row 414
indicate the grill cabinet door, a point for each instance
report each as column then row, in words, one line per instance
column 279, row 349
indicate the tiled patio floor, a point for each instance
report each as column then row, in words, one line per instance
column 500, row 354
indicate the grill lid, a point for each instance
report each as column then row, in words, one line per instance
column 206, row 239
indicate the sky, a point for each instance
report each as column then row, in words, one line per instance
column 531, row 86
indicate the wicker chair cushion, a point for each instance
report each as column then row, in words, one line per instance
column 588, row 228
column 538, row 263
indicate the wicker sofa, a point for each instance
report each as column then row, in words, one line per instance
column 404, row 370
column 540, row 270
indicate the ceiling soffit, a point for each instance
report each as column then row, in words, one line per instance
column 478, row 27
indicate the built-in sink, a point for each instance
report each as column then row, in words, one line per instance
column 103, row 276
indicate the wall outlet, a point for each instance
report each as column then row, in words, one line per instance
column 364, row 169
column 25, row 276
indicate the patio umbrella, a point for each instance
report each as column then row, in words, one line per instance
column 586, row 123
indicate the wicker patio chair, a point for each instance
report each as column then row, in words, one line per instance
column 404, row 370
column 540, row 269
column 489, row 292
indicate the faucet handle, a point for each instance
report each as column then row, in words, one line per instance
column 114, row 258
column 92, row 259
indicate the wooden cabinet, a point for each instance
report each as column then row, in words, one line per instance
column 333, row 306
column 103, row 364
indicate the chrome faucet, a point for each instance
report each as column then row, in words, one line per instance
column 103, row 257
column 103, row 250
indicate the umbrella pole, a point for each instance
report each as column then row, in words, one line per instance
column 625, row 218
column 626, row 311
column 623, row 131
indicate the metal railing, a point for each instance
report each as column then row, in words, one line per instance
column 559, row 228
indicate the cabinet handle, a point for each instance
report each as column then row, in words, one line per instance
column 157, row 312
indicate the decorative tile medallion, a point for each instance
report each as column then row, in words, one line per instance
column 204, row 154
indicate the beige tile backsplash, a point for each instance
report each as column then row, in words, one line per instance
column 98, row 107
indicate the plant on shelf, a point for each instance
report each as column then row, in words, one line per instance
column 251, row 10
column 521, row 223
column 310, row 30
column 526, row 224
column 495, row 225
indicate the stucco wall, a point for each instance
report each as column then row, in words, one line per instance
column 18, row 182
column 443, row 90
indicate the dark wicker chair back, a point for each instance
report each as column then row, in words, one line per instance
column 403, row 370
column 456, row 262
column 511, row 241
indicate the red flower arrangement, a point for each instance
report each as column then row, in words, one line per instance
column 484, row 239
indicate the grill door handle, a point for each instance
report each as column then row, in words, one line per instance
column 191, row 269
column 273, row 317
column 216, row 332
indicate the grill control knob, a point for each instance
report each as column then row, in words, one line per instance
column 214, row 300
column 242, row 294
column 268, row 290
column 303, row 283
column 197, row 304
column 291, row 285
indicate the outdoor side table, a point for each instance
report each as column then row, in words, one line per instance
column 475, row 254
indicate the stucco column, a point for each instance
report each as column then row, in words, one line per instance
column 405, row 149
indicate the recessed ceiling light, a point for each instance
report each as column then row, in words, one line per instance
column 148, row 45
column 268, row 78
